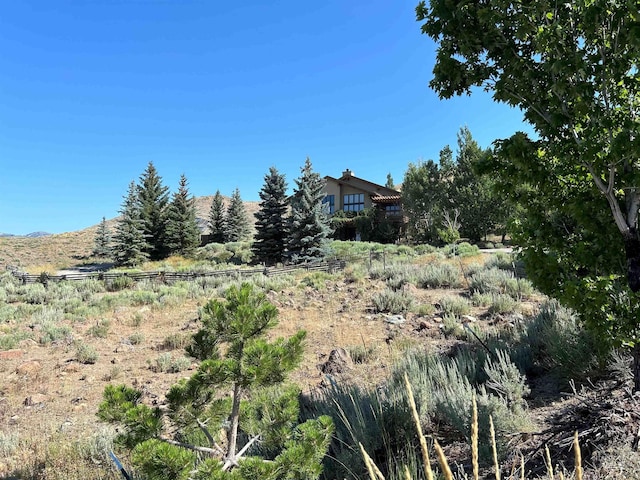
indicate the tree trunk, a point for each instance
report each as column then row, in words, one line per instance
column 636, row 368
column 632, row 251
column 233, row 429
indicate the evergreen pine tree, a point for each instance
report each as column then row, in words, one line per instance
column 389, row 183
column 271, row 232
column 236, row 221
column 216, row 219
column 102, row 241
column 183, row 234
column 234, row 397
column 128, row 247
column 309, row 224
column 154, row 199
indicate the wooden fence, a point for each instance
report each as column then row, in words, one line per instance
column 172, row 277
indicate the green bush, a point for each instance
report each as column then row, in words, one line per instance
column 316, row 280
column 100, row 329
column 463, row 249
column 136, row 338
column 120, row 283
column 439, row 276
column 389, row 301
column 481, row 299
column 454, row 305
column 176, row 341
column 85, row 353
column 10, row 340
column 555, row 341
column 502, row 303
column 492, row 280
column 501, row 260
column 167, row 363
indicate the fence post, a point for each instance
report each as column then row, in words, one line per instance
column 384, row 260
column 370, row 259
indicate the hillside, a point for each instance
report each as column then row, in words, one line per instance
column 54, row 252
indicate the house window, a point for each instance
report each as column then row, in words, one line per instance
column 353, row 202
column 330, row 202
column 391, row 210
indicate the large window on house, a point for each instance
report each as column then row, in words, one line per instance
column 353, row 202
column 329, row 202
column 391, row 210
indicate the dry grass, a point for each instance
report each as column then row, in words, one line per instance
column 445, row 470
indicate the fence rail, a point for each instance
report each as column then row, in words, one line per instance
column 172, row 277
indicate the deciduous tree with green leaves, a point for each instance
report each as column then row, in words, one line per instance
column 128, row 247
column 153, row 198
column 236, row 221
column 271, row 223
column 235, row 398
column 309, row 223
column 216, row 219
column 572, row 68
column 183, row 234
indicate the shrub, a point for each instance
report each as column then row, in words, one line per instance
column 451, row 326
column 501, row 303
column 362, row 354
column 389, row 301
column 444, row 388
column 12, row 339
column 481, row 299
column 425, row 309
column 463, row 249
column 492, row 280
column 85, row 353
column 454, row 305
column 316, row 280
column 501, row 260
column 438, row 276
column 119, row 283
column 136, row 338
column 424, row 249
column 166, row 363
column 100, row 329
column 556, row 342
column 176, row 341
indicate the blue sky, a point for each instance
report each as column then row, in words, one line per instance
column 91, row 91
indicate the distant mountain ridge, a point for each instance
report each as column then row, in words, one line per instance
column 28, row 235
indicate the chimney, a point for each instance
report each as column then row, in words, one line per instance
column 347, row 173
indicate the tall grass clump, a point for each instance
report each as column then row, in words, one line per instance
column 389, row 301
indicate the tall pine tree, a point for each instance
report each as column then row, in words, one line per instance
column 236, row 221
column 102, row 247
column 182, row 234
column 309, row 224
column 154, row 199
column 129, row 242
column 271, row 225
column 216, row 219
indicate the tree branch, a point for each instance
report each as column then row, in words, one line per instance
column 234, row 461
column 195, row 448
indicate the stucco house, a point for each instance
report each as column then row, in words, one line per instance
column 354, row 194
